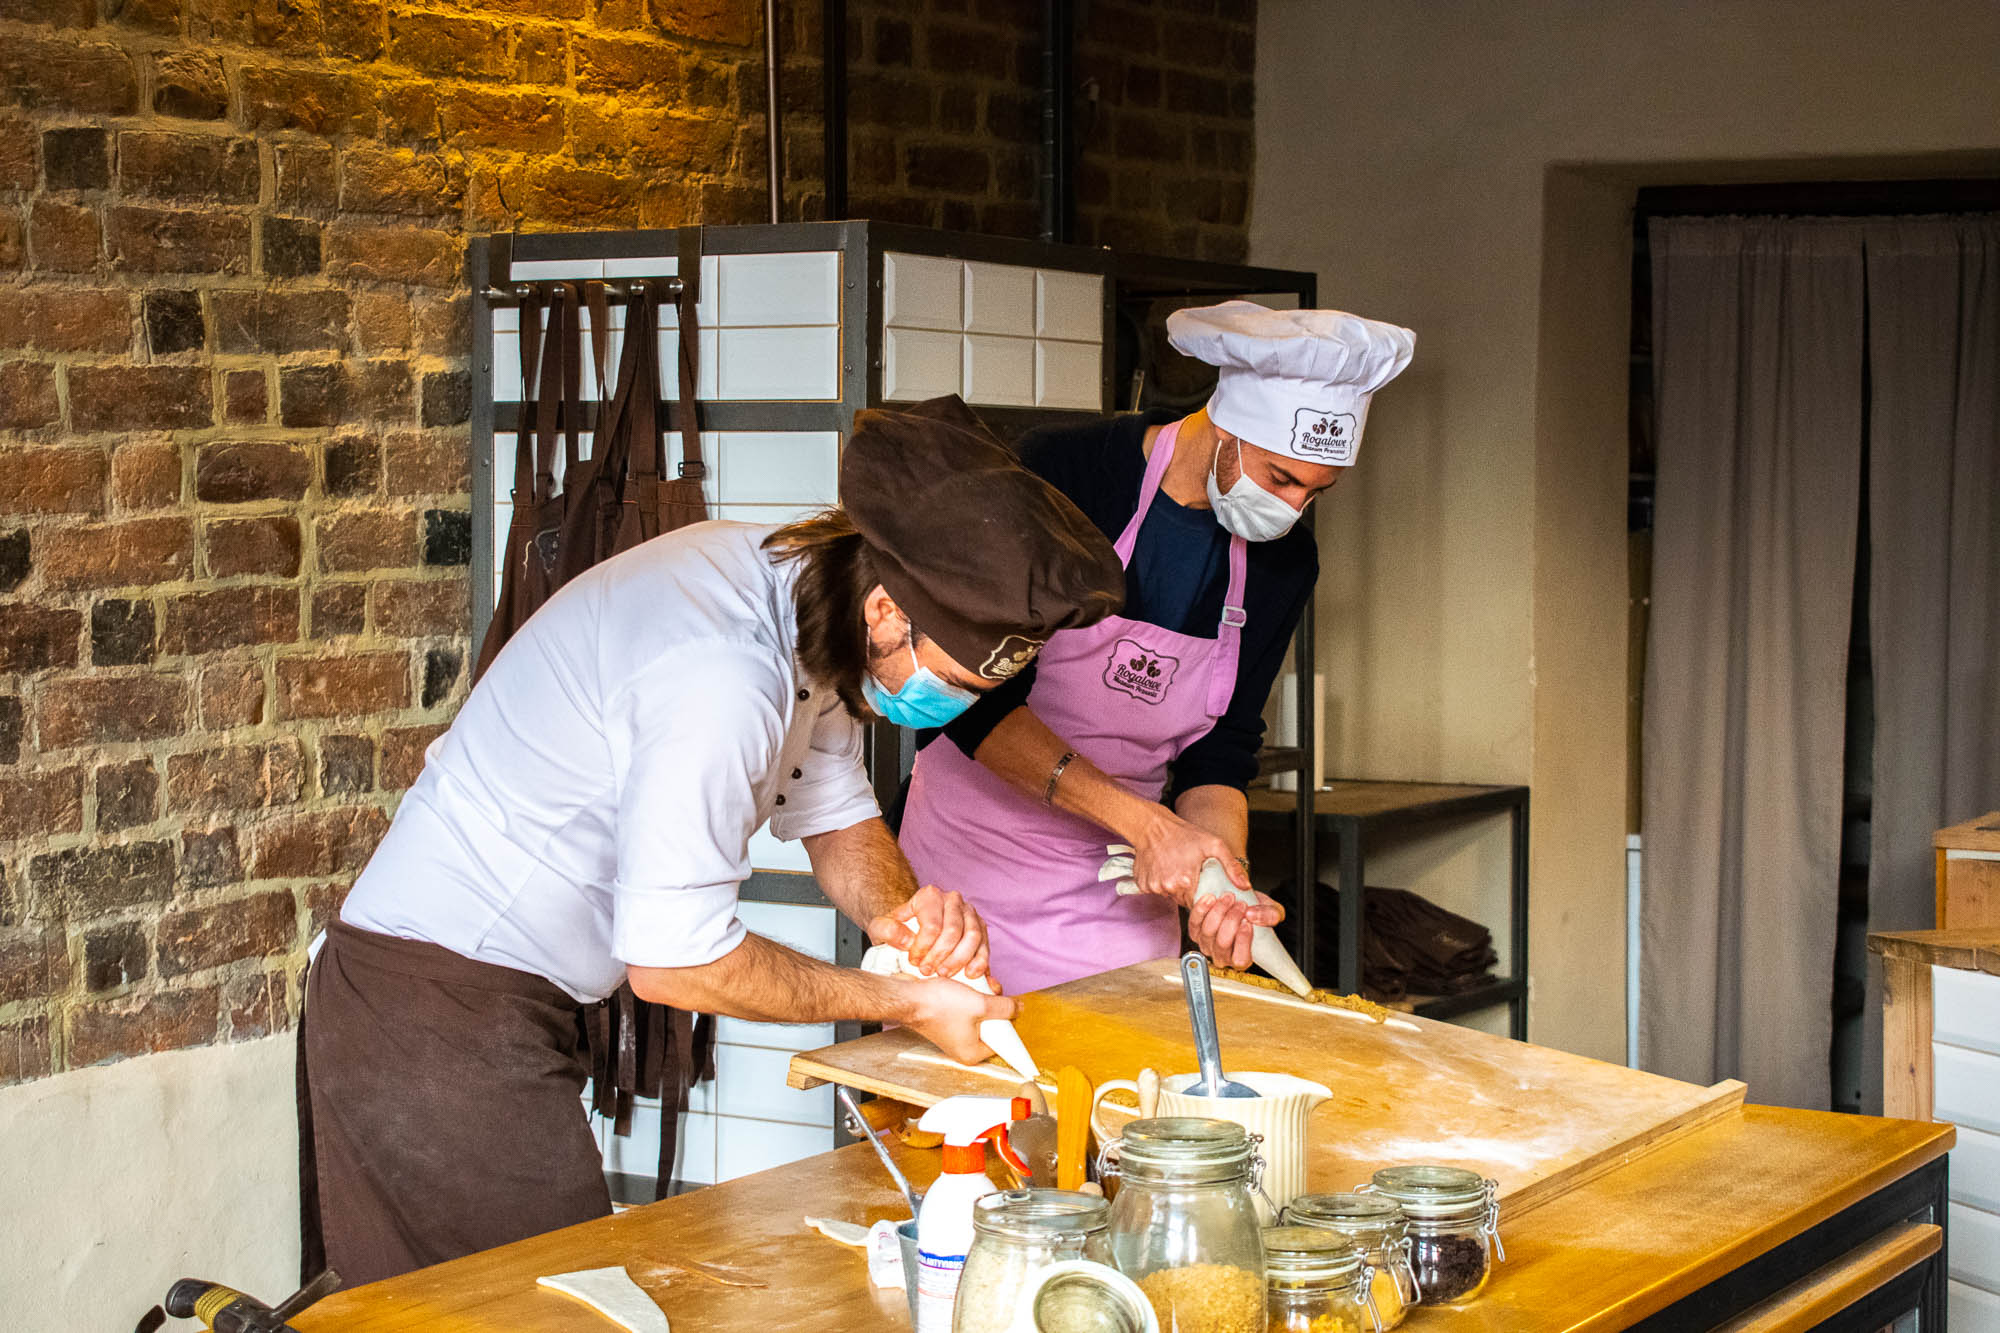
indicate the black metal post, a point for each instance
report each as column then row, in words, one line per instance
column 774, row 131
column 1058, row 187
column 1517, row 909
column 1351, row 893
column 833, row 85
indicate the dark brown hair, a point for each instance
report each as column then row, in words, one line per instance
column 829, row 600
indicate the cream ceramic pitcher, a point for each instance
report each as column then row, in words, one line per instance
column 1278, row 1112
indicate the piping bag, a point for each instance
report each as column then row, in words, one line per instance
column 1265, row 949
column 886, row 960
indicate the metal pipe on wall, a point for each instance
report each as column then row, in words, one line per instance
column 833, row 83
column 774, row 135
column 1058, row 186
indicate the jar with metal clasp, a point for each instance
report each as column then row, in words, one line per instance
column 1016, row 1235
column 1184, row 1221
column 1454, row 1223
column 1376, row 1223
column 1317, row 1281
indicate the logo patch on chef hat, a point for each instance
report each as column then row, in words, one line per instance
column 1325, row 437
column 1011, row 658
column 1139, row 671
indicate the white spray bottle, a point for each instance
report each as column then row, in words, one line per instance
column 944, row 1223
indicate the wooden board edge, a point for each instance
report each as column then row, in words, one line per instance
column 1723, row 1099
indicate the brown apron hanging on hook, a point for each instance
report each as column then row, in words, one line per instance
column 551, row 400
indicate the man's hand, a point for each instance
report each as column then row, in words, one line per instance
column 949, row 937
column 1168, row 857
column 948, row 1015
column 1221, row 924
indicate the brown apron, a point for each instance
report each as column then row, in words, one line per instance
column 445, row 1099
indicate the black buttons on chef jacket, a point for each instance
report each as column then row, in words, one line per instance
column 781, row 800
column 798, row 773
column 805, row 694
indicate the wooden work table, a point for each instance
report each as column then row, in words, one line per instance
column 1795, row 1213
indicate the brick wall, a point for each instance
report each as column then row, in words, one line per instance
column 234, row 520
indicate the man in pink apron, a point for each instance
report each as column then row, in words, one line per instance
column 1144, row 728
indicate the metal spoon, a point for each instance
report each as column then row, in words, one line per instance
column 1207, row 1045
column 858, row 1124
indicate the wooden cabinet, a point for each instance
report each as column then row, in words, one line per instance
column 1968, row 873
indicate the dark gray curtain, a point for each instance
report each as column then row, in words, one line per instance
column 1934, row 575
column 1757, row 338
column 1772, row 339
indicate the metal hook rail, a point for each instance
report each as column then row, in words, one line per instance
column 622, row 288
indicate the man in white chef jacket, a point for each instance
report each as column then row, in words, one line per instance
column 587, row 820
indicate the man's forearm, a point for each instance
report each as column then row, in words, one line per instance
column 764, row 982
column 861, row 870
column 1223, row 811
column 1024, row 751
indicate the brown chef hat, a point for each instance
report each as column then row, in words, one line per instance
column 983, row 555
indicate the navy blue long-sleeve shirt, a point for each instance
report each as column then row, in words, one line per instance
column 1176, row 579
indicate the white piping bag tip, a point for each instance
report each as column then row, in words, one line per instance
column 1007, row 1044
column 1269, row 953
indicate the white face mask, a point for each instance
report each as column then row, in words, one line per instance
column 1248, row 510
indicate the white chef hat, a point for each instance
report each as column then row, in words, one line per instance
column 1295, row 382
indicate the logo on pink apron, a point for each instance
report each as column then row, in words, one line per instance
column 1139, row 671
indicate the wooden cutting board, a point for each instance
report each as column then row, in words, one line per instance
column 1538, row 1121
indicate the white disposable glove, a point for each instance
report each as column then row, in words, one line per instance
column 886, row 960
column 1265, row 949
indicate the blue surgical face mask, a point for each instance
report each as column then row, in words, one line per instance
column 926, row 699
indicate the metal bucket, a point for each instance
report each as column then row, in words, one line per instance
column 906, row 1232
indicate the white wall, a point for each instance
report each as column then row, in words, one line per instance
column 1467, row 169
column 116, row 1180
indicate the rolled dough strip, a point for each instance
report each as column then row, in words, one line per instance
column 847, row 1233
column 612, row 1293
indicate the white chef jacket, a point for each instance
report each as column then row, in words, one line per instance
column 593, row 804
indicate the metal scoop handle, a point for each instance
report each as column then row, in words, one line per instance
column 1201, row 1015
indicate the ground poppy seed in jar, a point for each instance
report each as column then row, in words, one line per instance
column 1448, row 1266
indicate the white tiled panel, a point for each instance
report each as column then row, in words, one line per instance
column 1000, row 298
column 920, row 363
column 774, row 467
column 1031, row 336
column 922, row 292
column 1975, row 1169
column 1069, row 305
column 1970, row 1310
column 747, row 1146
column 810, row 930
column 1968, row 1087
column 1965, row 1009
column 768, row 852
column 786, row 1037
column 767, row 289
column 752, row 1083
column 1069, row 375
column 779, row 363
column 1000, row 370
column 1975, row 1248
column 770, row 326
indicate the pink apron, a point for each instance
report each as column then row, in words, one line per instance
column 1129, row 697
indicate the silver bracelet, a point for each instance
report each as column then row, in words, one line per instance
column 1055, row 776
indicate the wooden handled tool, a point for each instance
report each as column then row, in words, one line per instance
column 1073, row 1091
